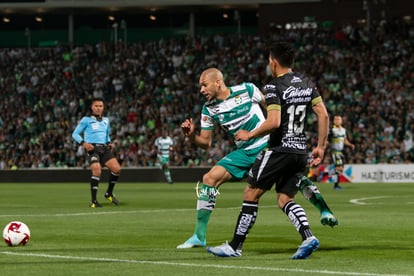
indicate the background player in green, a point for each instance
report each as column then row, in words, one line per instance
column 232, row 108
column 164, row 145
column 283, row 163
column 93, row 133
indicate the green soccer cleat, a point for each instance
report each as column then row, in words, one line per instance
column 327, row 218
column 193, row 241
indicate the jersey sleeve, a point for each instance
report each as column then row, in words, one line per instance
column 206, row 120
column 256, row 93
column 108, row 132
column 316, row 97
column 271, row 97
column 76, row 134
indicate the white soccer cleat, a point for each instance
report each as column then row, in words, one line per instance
column 224, row 250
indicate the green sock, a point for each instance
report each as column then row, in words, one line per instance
column 167, row 174
column 205, row 205
column 203, row 216
column 311, row 193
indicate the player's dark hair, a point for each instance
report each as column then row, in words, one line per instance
column 97, row 99
column 283, row 52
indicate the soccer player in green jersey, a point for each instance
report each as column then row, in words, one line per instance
column 164, row 145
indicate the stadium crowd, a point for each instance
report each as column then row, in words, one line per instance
column 365, row 76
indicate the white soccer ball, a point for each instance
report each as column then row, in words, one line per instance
column 16, row 233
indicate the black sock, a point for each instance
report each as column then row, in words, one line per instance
column 111, row 184
column 245, row 221
column 338, row 175
column 298, row 218
column 94, row 187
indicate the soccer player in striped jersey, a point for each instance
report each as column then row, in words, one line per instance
column 164, row 145
column 232, row 108
column 338, row 140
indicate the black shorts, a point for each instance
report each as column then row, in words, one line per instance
column 337, row 158
column 101, row 153
column 280, row 168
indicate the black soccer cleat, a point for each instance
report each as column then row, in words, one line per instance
column 112, row 199
column 95, row 204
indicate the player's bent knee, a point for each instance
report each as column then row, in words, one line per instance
column 207, row 179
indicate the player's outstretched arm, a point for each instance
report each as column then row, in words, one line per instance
column 203, row 140
column 272, row 122
column 323, row 130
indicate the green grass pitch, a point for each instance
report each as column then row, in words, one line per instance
column 139, row 237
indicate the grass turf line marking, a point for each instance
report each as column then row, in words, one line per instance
column 119, row 212
column 93, row 213
column 361, row 201
column 94, row 259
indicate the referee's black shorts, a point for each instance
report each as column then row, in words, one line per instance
column 280, row 168
column 101, row 153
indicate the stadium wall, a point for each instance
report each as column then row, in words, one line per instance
column 392, row 173
column 361, row 173
column 366, row 173
column 83, row 175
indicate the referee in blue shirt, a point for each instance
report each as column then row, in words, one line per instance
column 92, row 133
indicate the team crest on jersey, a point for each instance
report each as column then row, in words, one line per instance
column 221, row 117
column 237, row 99
column 206, row 119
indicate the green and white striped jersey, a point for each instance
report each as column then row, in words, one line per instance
column 241, row 110
column 163, row 145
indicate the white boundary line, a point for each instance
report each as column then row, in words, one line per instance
column 96, row 213
column 196, row 265
column 361, row 201
column 143, row 211
column 102, row 213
